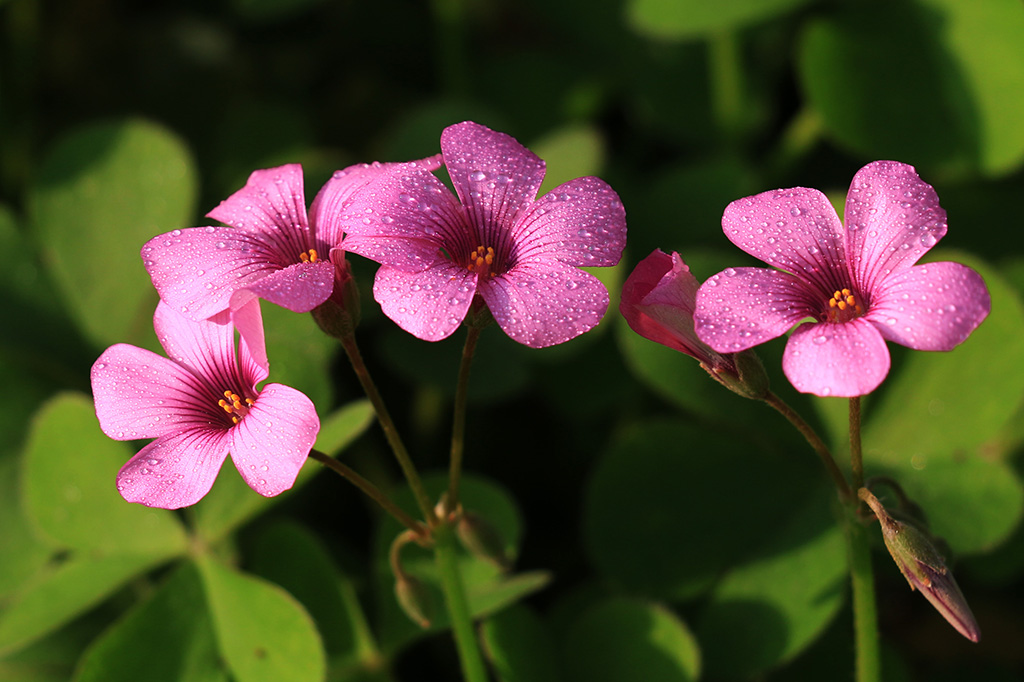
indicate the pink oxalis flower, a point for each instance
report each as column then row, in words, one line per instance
column 859, row 285
column 495, row 240
column 200, row 403
column 271, row 250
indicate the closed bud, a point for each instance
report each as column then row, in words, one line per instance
column 415, row 599
column 915, row 553
column 338, row 316
column 482, row 539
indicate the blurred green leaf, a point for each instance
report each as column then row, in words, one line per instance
column 166, row 638
column 262, row 632
column 231, row 502
column 98, row 196
column 520, row 646
column 291, row 556
column 299, row 353
column 571, row 152
column 668, row 506
column 680, row 19
column 63, row 590
column 767, row 610
column 868, row 68
column 629, row 639
column 23, row 553
column 69, row 491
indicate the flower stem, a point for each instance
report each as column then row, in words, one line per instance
column 373, row 491
column 856, row 458
column 473, row 669
column 816, row 442
column 390, row 430
column 865, row 614
column 459, row 418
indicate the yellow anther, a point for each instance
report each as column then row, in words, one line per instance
column 235, row 405
column 843, row 306
column 309, row 256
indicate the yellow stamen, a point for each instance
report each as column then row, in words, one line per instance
column 235, row 405
column 843, row 306
column 481, row 260
column 309, row 256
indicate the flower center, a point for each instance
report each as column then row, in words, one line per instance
column 481, row 260
column 309, row 256
column 844, row 306
column 235, row 405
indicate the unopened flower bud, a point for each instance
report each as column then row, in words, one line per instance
column 482, row 539
column 915, row 554
column 339, row 314
column 415, row 599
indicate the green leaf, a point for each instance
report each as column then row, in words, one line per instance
column 299, row 353
column 62, row 591
column 571, row 152
column 69, row 491
column 680, row 19
column 867, row 69
column 520, row 646
column 23, row 553
column 263, row 634
column 167, row 638
column 231, row 502
column 99, row 195
column 769, row 609
column 944, row 413
column 670, row 506
column 629, row 639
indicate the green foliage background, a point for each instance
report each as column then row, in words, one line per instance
column 664, row 529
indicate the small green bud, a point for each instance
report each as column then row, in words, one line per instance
column 415, row 599
column 742, row 373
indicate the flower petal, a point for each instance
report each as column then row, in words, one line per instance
column 581, row 223
column 174, row 471
column 930, row 307
column 273, row 201
column 430, row 304
column 197, row 270
column 402, row 218
column 741, row 307
column 658, row 299
column 841, row 360
column 139, row 394
column 252, row 346
column 272, row 442
column 207, row 348
column 892, row 219
column 795, row 230
column 326, row 212
column 545, row 302
column 492, row 173
column 299, row 287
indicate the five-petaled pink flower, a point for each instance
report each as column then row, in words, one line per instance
column 521, row 255
column 199, row 405
column 860, row 285
column 271, row 251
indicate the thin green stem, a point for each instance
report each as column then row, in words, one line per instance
column 856, row 458
column 373, row 492
column 390, row 430
column 815, row 442
column 865, row 613
column 459, row 418
column 473, row 669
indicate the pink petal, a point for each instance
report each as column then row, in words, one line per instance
column 252, row 347
column 741, row 307
column 930, row 307
column 658, row 299
column 403, row 218
column 327, row 209
column 543, row 303
column 174, row 471
column 492, row 173
column 272, row 201
column 197, row 270
column 795, row 230
column 841, row 360
column 299, row 287
column 271, row 443
column 139, row 394
column 430, row 304
column 581, row 223
column 892, row 219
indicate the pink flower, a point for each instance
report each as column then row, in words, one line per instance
column 519, row 254
column 199, row 405
column 271, row 251
column 859, row 284
column 658, row 300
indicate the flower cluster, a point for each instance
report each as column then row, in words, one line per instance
column 495, row 246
